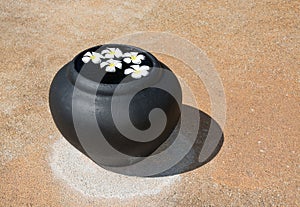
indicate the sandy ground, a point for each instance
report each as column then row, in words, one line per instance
column 254, row 46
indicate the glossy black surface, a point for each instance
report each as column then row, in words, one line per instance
column 61, row 95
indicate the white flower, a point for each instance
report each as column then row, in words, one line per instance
column 111, row 65
column 133, row 57
column 94, row 56
column 112, row 52
column 137, row 71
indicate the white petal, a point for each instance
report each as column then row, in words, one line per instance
column 128, row 71
column 111, row 61
column 136, row 67
column 109, row 56
column 118, row 53
column 136, row 75
column 127, row 54
column 137, row 61
column 89, row 54
column 96, row 60
column 98, row 55
column 116, row 61
column 119, row 65
column 85, row 59
column 144, row 72
column 112, row 49
column 144, row 67
column 104, row 51
column 140, row 57
column 127, row 60
column 103, row 64
column 110, row 69
column 134, row 53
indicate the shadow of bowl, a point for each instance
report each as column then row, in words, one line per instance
column 208, row 143
column 204, row 147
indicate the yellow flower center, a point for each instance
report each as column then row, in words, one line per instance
column 93, row 57
column 111, row 65
column 136, row 71
column 133, row 57
column 112, row 52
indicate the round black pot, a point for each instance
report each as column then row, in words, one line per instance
column 82, row 93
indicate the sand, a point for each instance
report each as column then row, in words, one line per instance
column 253, row 46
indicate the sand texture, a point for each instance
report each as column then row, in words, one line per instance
column 254, row 47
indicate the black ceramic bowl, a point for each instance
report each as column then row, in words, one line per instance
column 114, row 72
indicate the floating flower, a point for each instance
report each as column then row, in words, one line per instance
column 133, row 57
column 137, row 71
column 111, row 65
column 112, row 52
column 94, row 56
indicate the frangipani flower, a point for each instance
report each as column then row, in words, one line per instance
column 112, row 52
column 133, row 57
column 137, row 71
column 94, row 56
column 111, row 65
